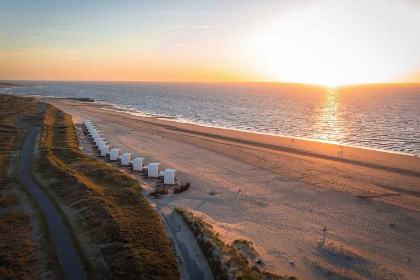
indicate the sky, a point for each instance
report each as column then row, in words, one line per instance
column 325, row 42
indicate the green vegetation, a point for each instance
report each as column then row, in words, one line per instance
column 18, row 258
column 226, row 261
column 108, row 204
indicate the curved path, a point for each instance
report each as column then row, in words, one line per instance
column 194, row 260
column 69, row 260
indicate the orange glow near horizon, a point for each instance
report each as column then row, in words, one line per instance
column 324, row 42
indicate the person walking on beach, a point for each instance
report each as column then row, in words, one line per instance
column 324, row 234
column 340, row 153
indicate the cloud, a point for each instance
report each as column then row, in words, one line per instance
column 200, row 26
column 18, row 48
column 31, row 37
column 60, row 31
column 184, row 45
column 413, row 3
column 241, row 41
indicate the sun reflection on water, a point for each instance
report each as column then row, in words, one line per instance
column 328, row 120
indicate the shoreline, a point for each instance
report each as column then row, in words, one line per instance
column 138, row 113
column 317, row 148
column 120, row 109
column 282, row 140
column 286, row 194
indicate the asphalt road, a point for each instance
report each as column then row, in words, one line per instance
column 69, row 260
column 194, row 272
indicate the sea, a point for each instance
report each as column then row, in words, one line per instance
column 382, row 116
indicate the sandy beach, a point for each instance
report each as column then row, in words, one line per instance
column 281, row 192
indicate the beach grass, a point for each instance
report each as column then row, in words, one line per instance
column 336, row 248
column 109, row 205
column 18, row 256
column 226, row 261
column 335, row 271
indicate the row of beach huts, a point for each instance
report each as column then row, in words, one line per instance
column 137, row 164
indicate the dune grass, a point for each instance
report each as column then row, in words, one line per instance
column 18, row 256
column 108, row 204
column 226, row 261
column 336, row 248
column 335, row 271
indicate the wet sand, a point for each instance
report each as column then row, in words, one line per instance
column 281, row 192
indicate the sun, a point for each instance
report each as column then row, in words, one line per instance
column 329, row 45
column 287, row 60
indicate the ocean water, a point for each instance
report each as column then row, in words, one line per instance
column 385, row 117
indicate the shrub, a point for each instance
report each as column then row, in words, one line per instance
column 160, row 191
column 182, row 188
column 226, row 261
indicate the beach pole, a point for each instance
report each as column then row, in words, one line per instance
column 324, row 234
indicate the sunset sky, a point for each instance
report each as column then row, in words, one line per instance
column 324, row 42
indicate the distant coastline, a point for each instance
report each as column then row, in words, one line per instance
column 11, row 85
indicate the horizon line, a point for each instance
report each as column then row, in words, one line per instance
column 218, row 82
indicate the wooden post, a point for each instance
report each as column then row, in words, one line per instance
column 325, row 234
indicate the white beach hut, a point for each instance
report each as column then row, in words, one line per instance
column 153, row 169
column 169, row 176
column 98, row 139
column 126, row 158
column 100, row 145
column 94, row 134
column 138, row 164
column 114, row 154
column 105, row 149
column 91, row 132
column 89, row 126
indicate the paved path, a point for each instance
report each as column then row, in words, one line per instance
column 67, row 254
column 195, row 262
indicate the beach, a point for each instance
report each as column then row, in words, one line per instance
column 280, row 192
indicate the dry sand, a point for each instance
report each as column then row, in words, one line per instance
column 368, row 200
